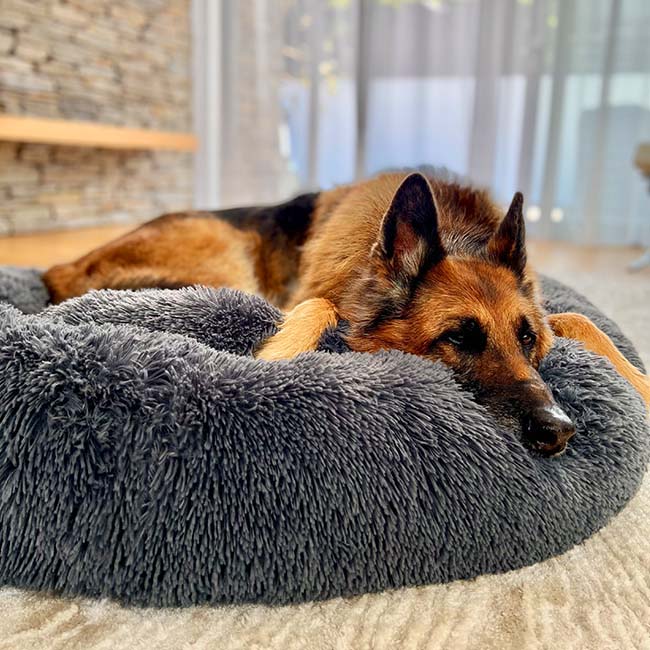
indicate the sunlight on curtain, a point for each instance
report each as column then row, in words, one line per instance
column 551, row 97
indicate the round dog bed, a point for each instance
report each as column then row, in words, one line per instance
column 145, row 455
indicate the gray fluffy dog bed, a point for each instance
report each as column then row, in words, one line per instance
column 145, row 455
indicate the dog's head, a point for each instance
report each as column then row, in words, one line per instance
column 477, row 313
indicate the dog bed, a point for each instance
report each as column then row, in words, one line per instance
column 145, row 455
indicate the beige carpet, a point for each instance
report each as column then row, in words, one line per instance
column 597, row 596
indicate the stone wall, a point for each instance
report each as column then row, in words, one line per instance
column 125, row 63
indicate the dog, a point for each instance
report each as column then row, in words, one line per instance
column 413, row 262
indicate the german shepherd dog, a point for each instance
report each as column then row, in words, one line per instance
column 415, row 262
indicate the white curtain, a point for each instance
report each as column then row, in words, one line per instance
column 550, row 97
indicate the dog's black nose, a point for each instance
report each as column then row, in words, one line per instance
column 548, row 429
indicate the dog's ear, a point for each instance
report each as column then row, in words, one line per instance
column 508, row 244
column 409, row 240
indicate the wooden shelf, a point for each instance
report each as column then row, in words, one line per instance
column 91, row 134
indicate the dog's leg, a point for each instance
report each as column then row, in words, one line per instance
column 579, row 327
column 300, row 331
column 170, row 252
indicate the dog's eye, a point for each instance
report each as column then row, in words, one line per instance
column 527, row 339
column 455, row 338
column 526, row 335
column 469, row 337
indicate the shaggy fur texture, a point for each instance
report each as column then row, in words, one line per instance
column 23, row 288
column 141, row 461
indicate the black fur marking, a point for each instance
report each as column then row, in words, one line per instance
column 468, row 337
column 333, row 338
column 288, row 221
column 388, row 309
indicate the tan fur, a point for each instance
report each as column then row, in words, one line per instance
column 191, row 250
column 346, row 225
column 579, row 327
column 300, row 330
column 469, row 289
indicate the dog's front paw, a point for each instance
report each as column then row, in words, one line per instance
column 301, row 330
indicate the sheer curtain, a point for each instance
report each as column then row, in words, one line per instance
column 550, row 97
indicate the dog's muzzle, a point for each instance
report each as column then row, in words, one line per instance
column 548, row 429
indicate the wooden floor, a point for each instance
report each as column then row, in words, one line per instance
column 598, row 272
column 46, row 249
